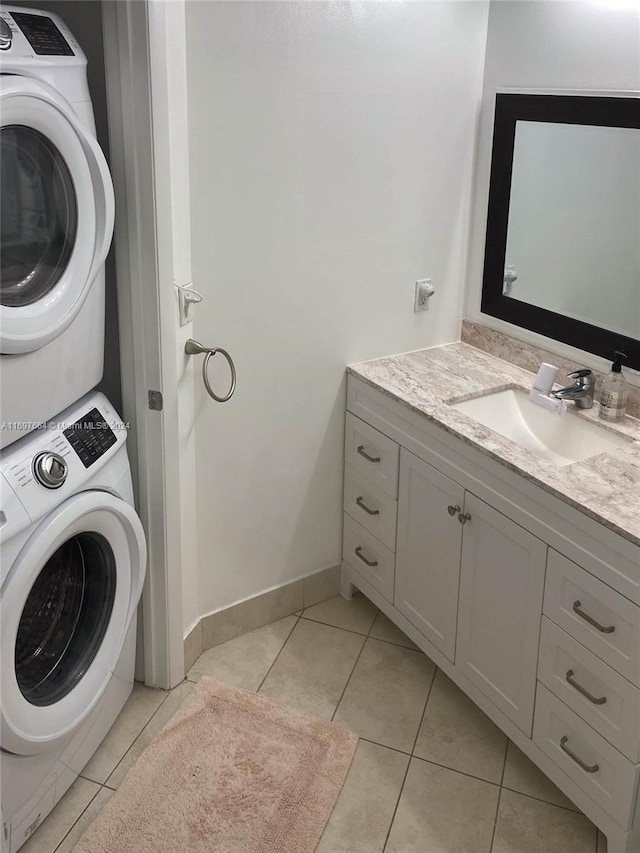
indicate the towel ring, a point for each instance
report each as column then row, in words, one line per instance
column 194, row 348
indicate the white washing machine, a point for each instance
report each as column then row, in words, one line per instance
column 72, row 557
column 56, row 223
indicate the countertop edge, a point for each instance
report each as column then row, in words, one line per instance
column 352, row 370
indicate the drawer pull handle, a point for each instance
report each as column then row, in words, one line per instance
column 593, row 699
column 588, row 768
column 604, row 629
column 364, row 453
column 463, row 517
column 452, row 510
column 361, row 556
column 363, row 506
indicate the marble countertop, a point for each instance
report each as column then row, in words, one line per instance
column 605, row 487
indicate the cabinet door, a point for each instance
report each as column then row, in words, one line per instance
column 428, row 551
column 501, row 589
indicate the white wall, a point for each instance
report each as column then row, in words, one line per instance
column 331, row 150
column 578, row 45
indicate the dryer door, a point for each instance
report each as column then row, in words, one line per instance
column 56, row 220
column 65, row 609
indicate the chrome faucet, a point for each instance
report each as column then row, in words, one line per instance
column 581, row 392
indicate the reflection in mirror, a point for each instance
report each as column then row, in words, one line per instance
column 573, row 237
column 562, row 252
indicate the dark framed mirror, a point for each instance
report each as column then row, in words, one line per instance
column 562, row 250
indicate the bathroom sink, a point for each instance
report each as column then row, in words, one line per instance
column 563, row 439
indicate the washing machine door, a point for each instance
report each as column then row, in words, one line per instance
column 56, row 218
column 65, row 609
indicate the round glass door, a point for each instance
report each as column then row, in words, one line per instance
column 65, row 618
column 39, row 215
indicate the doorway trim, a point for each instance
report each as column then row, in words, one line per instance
column 140, row 81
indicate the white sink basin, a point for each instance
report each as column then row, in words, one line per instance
column 563, row 439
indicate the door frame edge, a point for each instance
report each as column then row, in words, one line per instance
column 146, row 312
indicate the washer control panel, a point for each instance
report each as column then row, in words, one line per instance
column 26, row 471
column 42, row 34
column 33, row 38
column 90, row 437
column 41, row 469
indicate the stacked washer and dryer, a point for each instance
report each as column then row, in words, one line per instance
column 72, row 549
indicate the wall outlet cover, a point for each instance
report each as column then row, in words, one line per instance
column 423, row 292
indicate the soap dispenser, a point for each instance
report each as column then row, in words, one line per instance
column 613, row 397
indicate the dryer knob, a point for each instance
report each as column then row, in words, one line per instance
column 50, row 469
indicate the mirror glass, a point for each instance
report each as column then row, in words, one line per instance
column 573, row 236
column 562, row 250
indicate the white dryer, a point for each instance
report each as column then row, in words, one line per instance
column 72, row 557
column 56, row 223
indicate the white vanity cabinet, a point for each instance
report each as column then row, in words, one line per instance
column 472, row 581
column 528, row 605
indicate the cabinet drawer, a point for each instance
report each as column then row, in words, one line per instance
column 369, row 557
column 597, row 693
column 600, row 618
column 372, row 454
column 593, row 764
column 374, row 509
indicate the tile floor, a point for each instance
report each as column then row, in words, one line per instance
column 431, row 774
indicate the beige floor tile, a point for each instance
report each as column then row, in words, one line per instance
column 54, row 828
column 313, row 668
column 384, row 629
column 525, row 825
column 356, row 614
column 523, row 776
column 322, row 585
column 153, row 727
column 386, row 694
column 456, row 733
column 244, row 661
column 142, row 705
column 86, row 819
column 441, row 811
column 361, row 818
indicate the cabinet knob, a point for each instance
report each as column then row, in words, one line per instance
column 463, row 517
column 452, row 510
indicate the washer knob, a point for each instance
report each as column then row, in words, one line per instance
column 50, row 469
column 6, row 36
